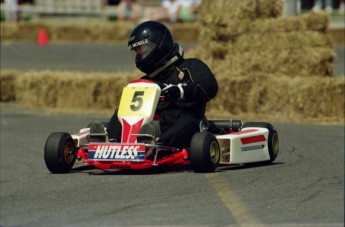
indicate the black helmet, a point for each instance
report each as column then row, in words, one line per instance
column 153, row 45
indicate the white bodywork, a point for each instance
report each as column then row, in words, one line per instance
column 246, row 146
column 82, row 137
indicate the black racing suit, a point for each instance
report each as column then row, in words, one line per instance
column 180, row 121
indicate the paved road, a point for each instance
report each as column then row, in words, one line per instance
column 304, row 186
column 86, row 57
column 68, row 57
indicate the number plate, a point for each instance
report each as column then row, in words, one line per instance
column 137, row 101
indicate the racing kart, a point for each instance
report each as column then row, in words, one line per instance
column 219, row 142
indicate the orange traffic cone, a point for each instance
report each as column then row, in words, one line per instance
column 42, row 37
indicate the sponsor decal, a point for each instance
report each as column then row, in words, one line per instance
column 253, row 139
column 139, row 43
column 109, row 152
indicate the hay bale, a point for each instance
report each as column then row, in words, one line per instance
column 281, row 98
column 291, row 46
column 8, row 81
column 90, row 32
column 264, row 96
column 104, row 32
column 337, row 36
column 243, row 57
column 184, row 32
column 67, row 90
column 220, row 12
column 289, row 62
column 20, row 31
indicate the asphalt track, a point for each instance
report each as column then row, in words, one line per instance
column 91, row 58
column 69, row 57
column 303, row 187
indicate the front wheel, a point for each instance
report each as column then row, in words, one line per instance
column 273, row 139
column 204, row 152
column 59, row 152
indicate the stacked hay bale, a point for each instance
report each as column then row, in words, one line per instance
column 267, row 64
column 101, row 32
column 8, row 80
column 104, row 32
column 64, row 90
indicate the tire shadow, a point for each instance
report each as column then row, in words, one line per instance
column 224, row 167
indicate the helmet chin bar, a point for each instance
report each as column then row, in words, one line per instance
column 168, row 63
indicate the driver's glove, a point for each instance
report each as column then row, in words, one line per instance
column 173, row 92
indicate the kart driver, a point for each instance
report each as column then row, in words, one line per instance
column 187, row 84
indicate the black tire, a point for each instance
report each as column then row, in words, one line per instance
column 273, row 138
column 59, row 152
column 204, row 153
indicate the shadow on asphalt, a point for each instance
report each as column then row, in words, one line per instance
column 223, row 167
column 91, row 170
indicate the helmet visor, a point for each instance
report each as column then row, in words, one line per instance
column 142, row 49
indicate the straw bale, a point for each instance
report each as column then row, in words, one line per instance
column 273, row 96
column 225, row 34
column 281, row 40
column 316, row 21
column 66, row 90
column 245, row 60
column 8, row 82
column 221, row 11
column 268, row 9
column 309, row 21
column 235, row 28
column 20, row 31
column 91, row 32
column 184, row 32
column 321, row 99
column 296, row 46
column 102, row 32
column 105, row 32
column 337, row 36
column 290, row 24
column 304, row 62
column 188, row 32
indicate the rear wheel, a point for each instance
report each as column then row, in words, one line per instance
column 59, row 152
column 204, row 152
column 273, row 138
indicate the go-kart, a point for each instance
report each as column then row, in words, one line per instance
column 219, row 142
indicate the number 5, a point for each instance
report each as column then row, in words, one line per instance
column 137, row 100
